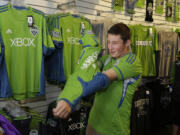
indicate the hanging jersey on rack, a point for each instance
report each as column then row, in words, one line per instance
column 54, row 63
column 159, row 6
column 169, row 10
column 129, row 6
column 168, row 47
column 25, row 43
column 118, row 5
column 72, row 27
column 140, row 4
column 144, row 44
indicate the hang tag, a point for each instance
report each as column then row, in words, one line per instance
column 82, row 28
column 150, row 32
column 30, row 21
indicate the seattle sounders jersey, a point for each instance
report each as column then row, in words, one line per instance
column 86, row 68
column 110, row 113
column 144, row 44
column 25, row 42
column 72, row 28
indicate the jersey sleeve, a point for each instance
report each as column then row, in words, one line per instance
column 127, row 68
column 48, row 46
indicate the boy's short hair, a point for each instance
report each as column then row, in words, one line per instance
column 122, row 30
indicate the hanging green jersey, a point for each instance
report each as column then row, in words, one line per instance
column 72, row 28
column 140, row 4
column 25, row 42
column 159, row 6
column 118, row 5
column 86, row 68
column 144, row 45
column 169, row 10
column 111, row 110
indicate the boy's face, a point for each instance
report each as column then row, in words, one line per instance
column 116, row 46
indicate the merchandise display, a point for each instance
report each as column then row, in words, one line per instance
column 60, row 51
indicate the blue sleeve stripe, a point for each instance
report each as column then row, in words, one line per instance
column 136, row 77
column 3, row 10
column 132, row 56
column 124, row 94
column 133, row 60
column 128, row 57
column 82, row 55
column 39, row 12
column 4, row 5
column 120, row 72
column 20, row 8
column 84, row 46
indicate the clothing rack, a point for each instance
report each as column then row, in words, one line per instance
column 67, row 5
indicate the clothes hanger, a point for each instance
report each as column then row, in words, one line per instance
column 18, row 3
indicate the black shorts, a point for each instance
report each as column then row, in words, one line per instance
column 176, row 113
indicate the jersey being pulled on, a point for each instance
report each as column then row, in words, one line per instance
column 86, row 68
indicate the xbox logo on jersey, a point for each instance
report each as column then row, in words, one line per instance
column 20, row 42
column 34, row 30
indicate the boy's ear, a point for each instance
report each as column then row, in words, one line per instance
column 128, row 42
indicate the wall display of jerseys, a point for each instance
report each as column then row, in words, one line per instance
column 66, row 31
column 118, row 5
column 168, row 47
column 24, row 41
column 144, row 43
column 172, row 11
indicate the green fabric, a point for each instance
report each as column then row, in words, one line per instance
column 24, row 49
column 105, row 116
column 118, row 5
column 140, row 4
column 169, row 10
column 159, row 6
column 143, row 44
column 71, row 26
column 176, row 13
column 178, row 30
column 86, row 69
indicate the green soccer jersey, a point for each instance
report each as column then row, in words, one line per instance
column 118, row 5
column 159, row 6
column 86, row 68
column 72, row 27
column 140, row 4
column 110, row 113
column 25, row 41
column 144, row 43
